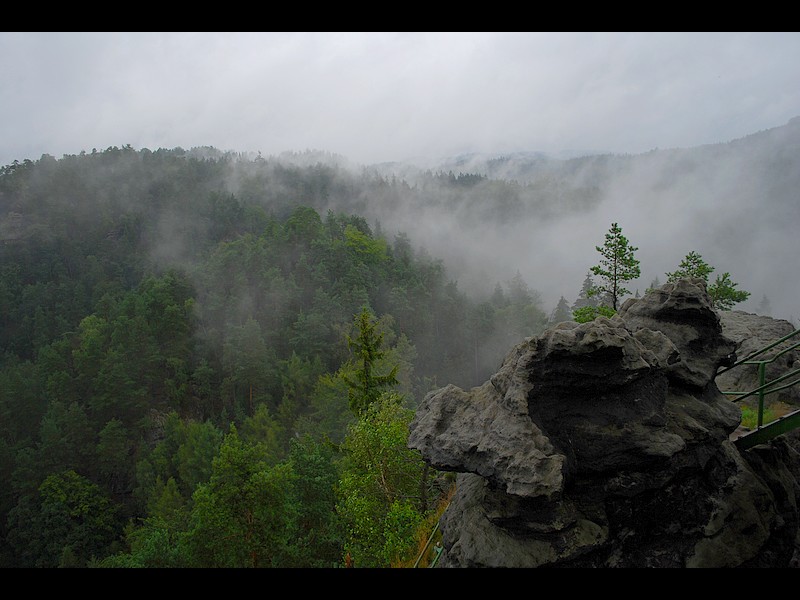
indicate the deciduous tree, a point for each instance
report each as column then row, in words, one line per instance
column 378, row 494
column 245, row 515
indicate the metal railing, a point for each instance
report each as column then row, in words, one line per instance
column 437, row 550
column 784, row 424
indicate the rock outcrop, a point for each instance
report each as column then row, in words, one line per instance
column 606, row 444
column 751, row 333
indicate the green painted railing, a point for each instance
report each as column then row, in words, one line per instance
column 787, row 422
column 437, row 549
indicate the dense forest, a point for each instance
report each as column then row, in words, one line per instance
column 210, row 360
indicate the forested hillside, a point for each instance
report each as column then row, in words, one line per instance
column 211, row 359
column 735, row 203
column 202, row 355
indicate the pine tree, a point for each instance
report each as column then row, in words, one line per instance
column 723, row 292
column 617, row 266
column 692, row 265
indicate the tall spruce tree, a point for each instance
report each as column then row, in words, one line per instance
column 617, row 266
column 367, row 385
column 584, row 298
column 561, row 312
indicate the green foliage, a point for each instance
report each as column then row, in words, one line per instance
column 319, row 542
column 298, row 376
column 125, row 350
column 379, row 493
column 66, row 438
column 750, row 416
column 692, row 265
column 156, row 544
column 618, row 265
column 366, row 386
column 113, row 463
column 722, row 292
column 250, row 363
column 366, row 248
column 264, row 429
column 402, row 521
column 22, row 401
column 590, row 313
column 184, row 455
column 73, row 522
column 245, row 516
column 330, row 415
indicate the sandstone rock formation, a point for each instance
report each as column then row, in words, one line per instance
column 606, row 444
column 751, row 333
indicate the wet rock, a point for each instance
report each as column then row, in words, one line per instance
column 607, row 444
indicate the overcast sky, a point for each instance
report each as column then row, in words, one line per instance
column 375, row 97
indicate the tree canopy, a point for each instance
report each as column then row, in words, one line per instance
column 208, row 360
column 722, row 291
column 128, row 352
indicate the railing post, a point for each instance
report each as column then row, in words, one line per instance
column 762, row 370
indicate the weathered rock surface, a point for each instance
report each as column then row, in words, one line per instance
column 751, row 333
column 606, row 444
column 682, row 311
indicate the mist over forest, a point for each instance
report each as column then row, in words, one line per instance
column 734, row 203
column 177, row 326
column 529, row 213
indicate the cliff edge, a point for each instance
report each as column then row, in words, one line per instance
column 606, row 444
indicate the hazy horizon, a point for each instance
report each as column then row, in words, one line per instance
column 377, row 97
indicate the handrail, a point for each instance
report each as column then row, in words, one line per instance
column 427, row 545
column 749, row 358
column 743, row 395
column 765, row 387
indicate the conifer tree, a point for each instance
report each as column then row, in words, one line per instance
column 561, row 312
column 692, row 265
column 617, row 266
column 654, row 285
column 723, row 292
column 367, row 385
column 584, row 297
